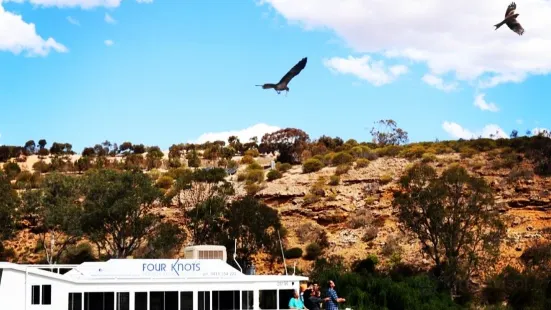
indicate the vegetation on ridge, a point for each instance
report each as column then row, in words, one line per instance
column 132, row 200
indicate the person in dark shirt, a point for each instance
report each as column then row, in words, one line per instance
column 312, row 299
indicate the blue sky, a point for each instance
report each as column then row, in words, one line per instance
column 180, row 69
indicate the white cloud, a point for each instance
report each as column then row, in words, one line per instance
column 73, row 21
column 144, row 1
column 489, row 131
column 483, row 105
column 108, row 42
column 109, row 19
column 17, row 36
column 543, row 131
column 444, row 35
column 84, row 4
column 244, row 135
column 365, row 68
column 438, row 83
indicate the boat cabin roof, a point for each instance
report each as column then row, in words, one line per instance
column 148, row 270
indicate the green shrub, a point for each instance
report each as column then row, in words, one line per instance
column 309, row 232
column 477, row 164
column 428, row 157
column 366, row 289
column 241, row 176
column 362, row 163
column 370, row 234
column 283, row 167
column 78, row 254
column 311, row 165
column 11, row 170
column 327, row 159
column 467, row 152
column 254, row 176
column 366, row 266
column 164, row 182
column 313, row 251
column 24, row 176
column 222, row 162
column 41, row 166
column 310, row 199
column 507, row 160
column 254, row 166
column 334, row 180
column 519, row 173
column 232, row 164
column 385, row 178
column 362, row 151
column 412, row 152
column 388, row 151
column 252, row 188
column 293, row 253
column 252, row 152
column 342, row 158
column 273, row 175
column 342, row 169
column 247, row 159
column 360, row 218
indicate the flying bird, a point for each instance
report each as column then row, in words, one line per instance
column 282, row 85
column 511, row 20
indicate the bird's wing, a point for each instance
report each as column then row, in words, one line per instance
column 514, row 25
column 510, row 9
column 295, row 70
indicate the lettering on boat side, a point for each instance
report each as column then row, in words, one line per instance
column 176, row 267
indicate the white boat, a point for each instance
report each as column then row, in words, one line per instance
column 202, row 280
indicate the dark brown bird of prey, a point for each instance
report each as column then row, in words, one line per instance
column 511, row 20
column 282, row 85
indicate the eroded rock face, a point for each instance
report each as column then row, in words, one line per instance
column 357, row 214
column 526, row 203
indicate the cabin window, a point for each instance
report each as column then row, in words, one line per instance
column 163, row 300
column 46, row 294
column 186, row 300
column 123, row 301
column 268, row 299
column 284, row 298
column 140, row 301
column 99, row 301
column 203, row 300
column 75, row 301
column 35, row 295
column 225, row 300
column 247, row 300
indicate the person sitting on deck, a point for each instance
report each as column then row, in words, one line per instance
column 333, row 302
column 295, row 302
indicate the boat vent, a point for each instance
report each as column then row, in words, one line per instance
column 206, row 252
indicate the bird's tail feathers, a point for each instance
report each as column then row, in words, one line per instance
column 266, row 86
column 499, row 24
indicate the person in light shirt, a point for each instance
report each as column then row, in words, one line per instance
column 295, row 302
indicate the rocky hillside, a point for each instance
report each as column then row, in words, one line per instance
column 355, row 212
column 359, row 219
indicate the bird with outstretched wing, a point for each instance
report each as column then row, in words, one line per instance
column 283, row 84
column 511, row 20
